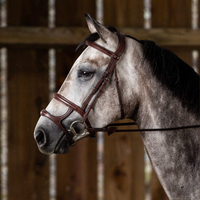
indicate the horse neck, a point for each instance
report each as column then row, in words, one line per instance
column 160, row 108
column 173, row 154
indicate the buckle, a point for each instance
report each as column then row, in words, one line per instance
column 78, row 136
column 116, row 57
column 105, row 74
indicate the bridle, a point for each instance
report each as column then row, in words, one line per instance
column 84, row 111
column 92, row 98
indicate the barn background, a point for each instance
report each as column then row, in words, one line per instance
column 37, row 43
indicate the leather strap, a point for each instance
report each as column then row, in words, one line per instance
column 68, row 103
column 149, row 129
column 72, row 106
column 107, row 74
column 102, row 49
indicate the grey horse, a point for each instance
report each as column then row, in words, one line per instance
column 157, row 90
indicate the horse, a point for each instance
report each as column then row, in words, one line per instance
column 116, row 77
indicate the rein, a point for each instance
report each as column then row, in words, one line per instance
column 84, row 111
column 148, row 129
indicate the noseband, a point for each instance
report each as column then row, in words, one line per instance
column 92, row 98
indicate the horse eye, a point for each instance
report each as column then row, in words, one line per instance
column 85, row 74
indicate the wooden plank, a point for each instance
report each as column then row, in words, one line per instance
column 198, row 2
column 62, row 37
column 0, row 112
column 167, row 36
column 27, row 94
column 27, row 13
column 126, row 14
column 199, row 27
column 76, row 171
column 171, row 14
column 65, row 16
column 175, row 14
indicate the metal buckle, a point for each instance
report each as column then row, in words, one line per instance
column 116, row 57
column 77, row 136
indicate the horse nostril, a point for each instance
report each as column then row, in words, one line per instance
column 40, row 138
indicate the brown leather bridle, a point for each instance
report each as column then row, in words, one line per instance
column 92, row 98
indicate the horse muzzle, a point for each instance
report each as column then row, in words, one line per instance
column 50, row 138
column 58, row 146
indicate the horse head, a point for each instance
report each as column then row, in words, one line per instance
column 92, row 95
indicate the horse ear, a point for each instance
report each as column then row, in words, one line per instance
column 95, row 26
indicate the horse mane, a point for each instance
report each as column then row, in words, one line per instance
column 176, row 75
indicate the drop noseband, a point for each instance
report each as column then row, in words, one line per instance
column 71, row 133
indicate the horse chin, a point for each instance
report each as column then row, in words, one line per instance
column 62, row 147
column 49, row 144
column 48, row 153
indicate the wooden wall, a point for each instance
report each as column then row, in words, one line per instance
column 28, row 176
